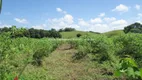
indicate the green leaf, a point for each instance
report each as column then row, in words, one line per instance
column 141, row 72
column 130, row 72
column 131, row 62
column 117, row 73
column 137, row 73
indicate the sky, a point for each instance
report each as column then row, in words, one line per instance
column 86, row 15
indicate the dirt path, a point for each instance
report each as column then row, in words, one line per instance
column 59, row 66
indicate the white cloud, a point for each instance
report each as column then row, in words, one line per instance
column 104, row 25
column 83, row 23
column 109, row 19
column 23, row 21
column 98, row 24
column 61, row 11
column 99, row 28
column 139, row 22
column 68, row 18
column 137, row 7
column 96, row 20
column 4, row 25
column 140, row 14
column 121, row 8
column 101, row 14
column 65, row 21
column 42, row 26
column 119, row 24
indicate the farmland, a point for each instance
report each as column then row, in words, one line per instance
column 91, row 56
column 70, row 40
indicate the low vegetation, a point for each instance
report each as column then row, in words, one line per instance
column 91, row 56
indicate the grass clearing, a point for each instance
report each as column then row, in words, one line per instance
column 72, row 34
column 60, row 66
column 113, row 33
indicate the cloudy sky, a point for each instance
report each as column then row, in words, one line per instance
column 87, row 15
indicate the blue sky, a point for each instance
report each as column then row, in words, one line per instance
column 87, row 15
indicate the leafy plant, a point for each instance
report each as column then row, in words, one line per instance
column 129, row 69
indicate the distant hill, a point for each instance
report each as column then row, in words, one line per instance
column 72, row 34
column 114, row 33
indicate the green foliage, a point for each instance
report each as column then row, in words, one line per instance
column 32, row 33
column 38, row 55
column 134, row 28
column 66, row 29
column 17, row 52
column 128, row 68
column 78, row 35
column 129, row 44
column 72, row 34
column 97, row 45
column 114, row 33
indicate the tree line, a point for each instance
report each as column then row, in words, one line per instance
column 31, row 33
column 66, row 29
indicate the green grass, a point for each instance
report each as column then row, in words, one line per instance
column 60, row 66
column 113, row 33
column 72, row 34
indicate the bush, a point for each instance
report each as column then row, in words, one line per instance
column 129, row 69
column 78, row 35
column 38, row 55
column 129, row 44
column 69, row 29
column 100, row 46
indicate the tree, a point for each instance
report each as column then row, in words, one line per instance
column 0, row 5
column 61, row 30
column 69, row 29
column 54, row 34
column 78, row 35
column 32, row 32
column 134, row 28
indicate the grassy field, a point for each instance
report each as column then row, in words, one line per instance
column 60, row 66
column 91, row 57
column 114, row 33
column 73, row 34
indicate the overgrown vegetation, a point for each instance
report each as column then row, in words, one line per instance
column 92, row 56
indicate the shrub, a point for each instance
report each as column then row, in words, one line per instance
column 78, row 35
column 129, row 69
column 100, row 46
column 38, row 55
column 129, row 44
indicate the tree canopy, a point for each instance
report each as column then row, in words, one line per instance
column 134, row 28
column 66, row 29
column 32, row 33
